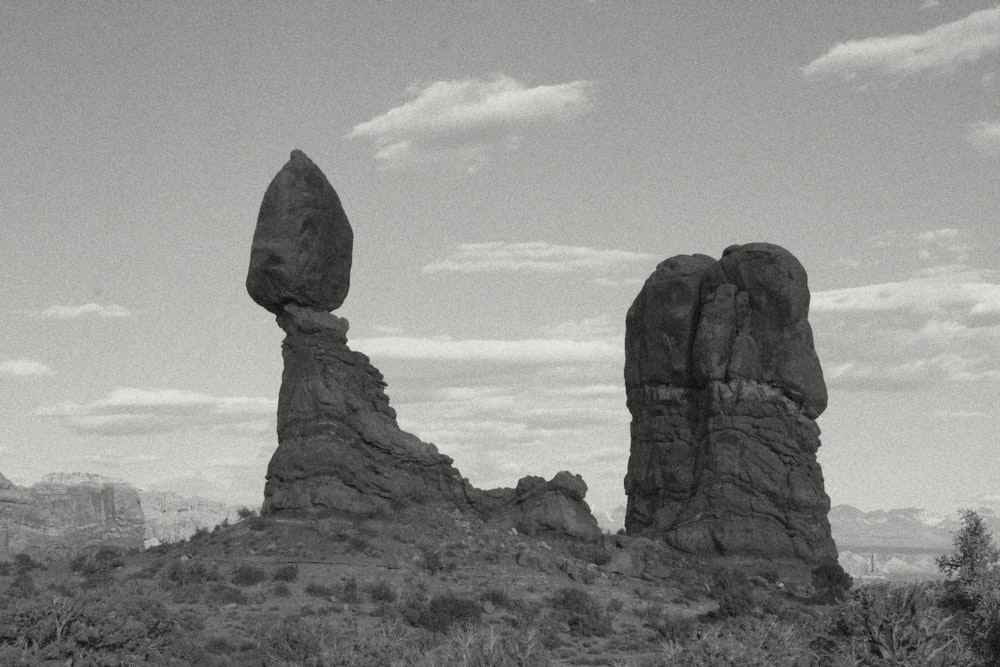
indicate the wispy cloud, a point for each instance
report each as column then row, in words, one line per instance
column 24, row 368
column 985, row 137
column 939, row 49
column 466, row 120
column 78, row 312
column 511, row 352
column 539, row 257
column 131, row 411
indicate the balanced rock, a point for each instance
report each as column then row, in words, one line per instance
column 724, row 385
column 340, row 449
column 302, row 246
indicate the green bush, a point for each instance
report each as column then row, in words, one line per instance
column 584, row 615
column 25, row 563
column 259, row 523
column 983, row 620
column 23, row 586
column 898, row 625
column 223, row 594
column 350, row 593
column 245, row 513
column 5, row 568
column 319, row 590
column 247, row 575
column 192, row 572
column 446, row 610
column 382, row 592
column 286, row 573
column 101, row 561
column 281, row 590
column 975, row 551
column 830, row 583
column 732, row 590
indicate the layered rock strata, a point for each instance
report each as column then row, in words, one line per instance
column 724, row 387
column 340, row 448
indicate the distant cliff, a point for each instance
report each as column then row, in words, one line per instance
column 68, row 512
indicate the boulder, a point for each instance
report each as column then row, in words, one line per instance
column 301, row 252
column 724, row 387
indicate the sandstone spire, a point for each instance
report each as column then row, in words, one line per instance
column 724, row 385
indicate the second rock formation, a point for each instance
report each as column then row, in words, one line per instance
column 724, row 387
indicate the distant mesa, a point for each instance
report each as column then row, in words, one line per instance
column 724, row 385
column 66, row 513
column 340, row 448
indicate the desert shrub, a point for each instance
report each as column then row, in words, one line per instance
column 245, row 513
column 97, row 627
column 744, row 641
column 101, row 561
column 975, row 552
column 247, row 575
column 488, row 646
column 294, row 641
column 446, row 610
column 225, row 594
column 382, row 592
column 5, row 568
column 187, row 593
column 591, row 553
column 357, row 544
column 23, row 586
column 319, row 590
column 732, row 591
column 286, row 573
column 281, row 590
column 220, row 646
column 982, row 626
column 192, row 572
column 768, row 573
column 498, row 597
column 190, row 619
column 351, row 594
column 259, row 523
column 899, row 625
column 830, row 583
column 199, row 533
column 581, row 612
column 25, row 563
column 432, row 561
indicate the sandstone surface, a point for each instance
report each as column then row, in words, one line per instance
column 340, row 449
column 302, row 245
column 724, row 387
column 171, row 517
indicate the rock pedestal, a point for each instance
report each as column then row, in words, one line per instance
column 340, row 449
column 724, row 385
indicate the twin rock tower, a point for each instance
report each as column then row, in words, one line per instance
column 721, row 378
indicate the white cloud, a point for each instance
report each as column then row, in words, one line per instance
column 86, row 310
column 942, row 48
column 517, row 352
column 130, row 411
column 24, row 368
column 985, row 137
column 465, row 120
column 537, row 257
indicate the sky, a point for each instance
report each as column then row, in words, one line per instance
column 512, row 172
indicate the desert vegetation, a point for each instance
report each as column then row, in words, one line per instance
column 306, row 594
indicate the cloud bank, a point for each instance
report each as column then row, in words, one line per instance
column 536, row 257
column 24, row 368
column 939, row 49
column 940, row 326
column 78, row 312
column 131, row 411
column 985, row 137
column 466, row 120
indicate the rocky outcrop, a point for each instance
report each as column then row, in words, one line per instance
column 724, row 387
column 340, row 448
column 67, row 513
